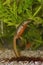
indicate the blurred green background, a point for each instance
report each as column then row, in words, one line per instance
column 12, row 13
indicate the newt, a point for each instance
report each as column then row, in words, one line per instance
column 20, row 30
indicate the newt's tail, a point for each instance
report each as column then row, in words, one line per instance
column 15, row 47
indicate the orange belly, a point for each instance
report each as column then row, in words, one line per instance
column 22, row 30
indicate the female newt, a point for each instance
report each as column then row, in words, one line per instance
column 18, row 34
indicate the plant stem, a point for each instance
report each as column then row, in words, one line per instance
column 38, row 41
column 37, row 11
column 33, row 17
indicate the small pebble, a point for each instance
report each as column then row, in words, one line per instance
column 38, row 63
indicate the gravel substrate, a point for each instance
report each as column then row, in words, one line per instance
column 21, row 63
column 6, row 56
column 7, row 53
